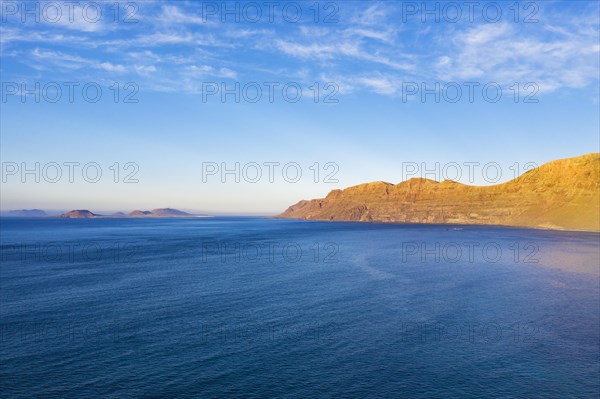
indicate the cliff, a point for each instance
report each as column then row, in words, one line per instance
column 560, row 194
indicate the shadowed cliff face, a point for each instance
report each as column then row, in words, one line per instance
column 560, row 194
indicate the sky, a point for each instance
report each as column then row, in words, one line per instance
column 248, row 107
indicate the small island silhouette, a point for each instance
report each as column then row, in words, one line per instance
column 155, row 213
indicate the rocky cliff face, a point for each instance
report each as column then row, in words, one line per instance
column 560, row 194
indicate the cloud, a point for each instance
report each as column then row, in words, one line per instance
column 369, row 49
column 145, row 69
column 312, row 50
column 11, row 34
column 194, row 71
column 168, row 39
column 73, row 16
column 505, row 54
column 107, row 66
column 382, row 35
column 333, row 51
column 375, row 14
column 239, row 33
column 173, row 15
column 59, row 59
column 484, row 34
column 379, row 84
column 72, row 62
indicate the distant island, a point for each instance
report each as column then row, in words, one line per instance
column 155, row 213
column 563, row 194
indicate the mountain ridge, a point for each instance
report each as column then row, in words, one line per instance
column 561, row 194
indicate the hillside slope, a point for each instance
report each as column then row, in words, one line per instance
column 560, row 194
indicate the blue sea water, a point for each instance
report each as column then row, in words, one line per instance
column 258, row 308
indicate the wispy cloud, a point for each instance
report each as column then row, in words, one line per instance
column 380, row 84
column 171, row 15
column 194, row 71
column 375, row 14
column 76, row 17
column 344, row 48
column 369, row 49
column 59, row 59
column 107, row 66
column 505, row 54
column 9, row 35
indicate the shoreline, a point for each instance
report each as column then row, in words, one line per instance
column 440, row 224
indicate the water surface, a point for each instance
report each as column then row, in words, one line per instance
column 259, row 308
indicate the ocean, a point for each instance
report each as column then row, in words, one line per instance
column 266, row 308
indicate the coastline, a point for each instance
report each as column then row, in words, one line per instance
column 440, row 224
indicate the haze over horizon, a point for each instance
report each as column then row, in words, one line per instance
column 173, row 137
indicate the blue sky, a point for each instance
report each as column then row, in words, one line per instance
column 367, row 56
